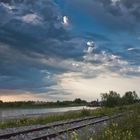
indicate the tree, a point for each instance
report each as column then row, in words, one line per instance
column 111, row 99
column 130, row 97
column 79, row 101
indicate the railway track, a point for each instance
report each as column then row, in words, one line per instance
column 47, row 134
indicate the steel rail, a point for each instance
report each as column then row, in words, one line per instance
column 5, row 136
column 55, row 134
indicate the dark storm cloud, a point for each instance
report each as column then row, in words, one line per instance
column 19, row 71
column 36, row 46
column 47, row 37
column 123, row 8
column 24, row 42
column 118, row 16
column 98, row 37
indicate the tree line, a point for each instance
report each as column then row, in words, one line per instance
column 41, row 104
column 110, row 99
column 113, row 98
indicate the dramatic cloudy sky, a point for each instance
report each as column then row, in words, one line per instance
column 63, row 49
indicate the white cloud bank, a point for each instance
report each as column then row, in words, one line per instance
column 91, row 88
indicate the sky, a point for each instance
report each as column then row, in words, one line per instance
column 65, row 49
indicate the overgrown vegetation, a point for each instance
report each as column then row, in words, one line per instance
column 113, row 98
column 127, row 128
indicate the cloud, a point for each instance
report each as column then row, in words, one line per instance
column 31, row 18
column 38, row 52
column 97, row 37
column 131, row 49
column 90, row 43
column 65, row 21
column 90, row 89
column 113, row 14
column 29, row 58
column 90, row 46
column 114, row 2
column 21, row 50
column 18, row 95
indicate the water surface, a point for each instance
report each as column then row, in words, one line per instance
column 15, row 113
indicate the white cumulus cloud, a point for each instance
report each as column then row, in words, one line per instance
column 90, row 47
column 65, row 20
column 31, row 18
column 90, row 43
column 131, row 49
column 114, row 2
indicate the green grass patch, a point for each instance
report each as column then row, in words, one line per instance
column 65, row 116
column 127, row 128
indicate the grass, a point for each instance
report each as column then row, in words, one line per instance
column 44, row 119
column 65, row 116
column 127, row 128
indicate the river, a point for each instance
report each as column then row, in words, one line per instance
column 17, row 113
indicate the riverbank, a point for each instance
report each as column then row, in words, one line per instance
column 48, row 118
